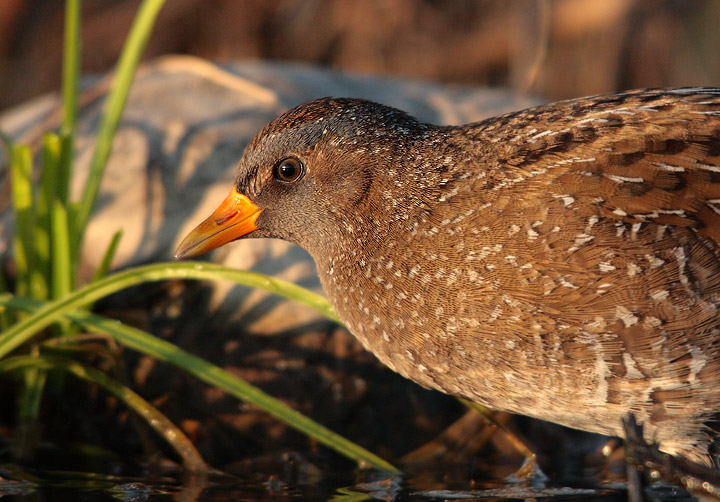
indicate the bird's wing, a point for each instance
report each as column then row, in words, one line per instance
column 620, row 198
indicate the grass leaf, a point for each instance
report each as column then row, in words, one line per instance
column 62, row 281
column 49, row 168
column 52, row 311
column 114, row 104
column 159, row 422
column 22, row 199
column 102, row 270
column 214, row 375
column 71, row 66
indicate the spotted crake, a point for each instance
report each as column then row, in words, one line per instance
column 561, row 262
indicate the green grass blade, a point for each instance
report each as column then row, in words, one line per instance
column 34, row 379
column 34, row 383
column 159, row 422
column 61, row 270
column 72, row 209
column 25, row 329
column 164, row 351
column 347, row 494
column 71, row 66
column 62, row 257
column 29, row 402
column 5, row 314
column 67, row 154
column 49, row 164
column 104, row 267
column 114, row 104
column 22, row 198
column 28, row 407
column 221, row 379
column 49, row 167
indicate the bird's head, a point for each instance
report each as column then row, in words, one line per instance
column 306, row 173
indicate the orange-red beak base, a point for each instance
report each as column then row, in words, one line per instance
column 234, row 218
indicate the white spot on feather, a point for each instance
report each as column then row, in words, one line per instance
column 697, row 362
column 631, row 369
column 668, row 167
column 624, row 179
column 606, row 266
column 627, row 317
column 660, row 294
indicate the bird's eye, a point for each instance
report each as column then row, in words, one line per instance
column 288, row 170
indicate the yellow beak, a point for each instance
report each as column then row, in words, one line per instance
column 234, row 218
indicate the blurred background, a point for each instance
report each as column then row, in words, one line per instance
column 553, row 49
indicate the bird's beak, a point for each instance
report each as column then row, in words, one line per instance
column 234, row 218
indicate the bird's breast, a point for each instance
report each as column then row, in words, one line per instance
column 535, row 307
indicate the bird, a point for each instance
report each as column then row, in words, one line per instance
column 560, row 262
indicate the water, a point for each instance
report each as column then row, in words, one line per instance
column 342, row 486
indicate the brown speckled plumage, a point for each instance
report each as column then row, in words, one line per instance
column 561, row 262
